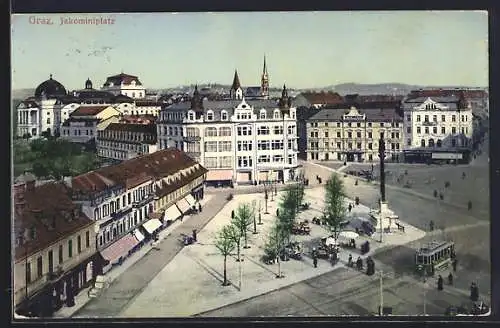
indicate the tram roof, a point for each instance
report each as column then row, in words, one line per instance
column 434, row 246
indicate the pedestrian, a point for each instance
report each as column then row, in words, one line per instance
column 349, row 208
column 454, row 264
column 194, row 235
column 450, row 279
column 349, row 261
column 199, row 207
column 315, row 258
column 440, row 283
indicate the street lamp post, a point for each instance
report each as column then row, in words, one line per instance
column 266, row 196
column 260, row 216
column 254, row 223
column 381, row 310
column 241, row 273
column 425, row 292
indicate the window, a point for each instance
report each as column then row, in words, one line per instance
column 211, row 132
column 79, row 244
column 326, row 134
column 263, row 145
column 359, row 125
column 439, row 143
column 244, row 161
column 264, row 159
column 277, row 144
column 443, row 118
column 434, row 118
column 48, row 120
column 39, row 267
column 263, row 130
column 422, row 143
column 453, row 130
column 338, row 125
column 87, row 239
column 244, row 145
column 426, row 118
column 292, row 128
column 210, row 162
column 359, row 145
column 191, row 116
column 339, row 145
column 278, row 129
column 51, row 261
column 349, row 145
column 338, row 135
column 431, row 142
column 426, row 130
column 244, row 131
column 408, row 118
column 443, row 130
column 61, row 255
column 276, row 114
column 224, row 146
column 225, row 131
column 370, row 135
column 226, row 161
column 453, row 118
column 418, row 130
column 408, row 142
column 369, row 124
column 211, row 146
column 210, row 116
column 418, row 118
column 349, row 134
column 434, row 129
column 370, row 145
column 278, row 158
column 408, row 130
column 262, row 114
column 70, row 248
column 28, row 272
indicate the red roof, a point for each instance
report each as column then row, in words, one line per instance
column 43, row 209
column 138, row 119
column 122, row 79
column 88, row 110
column 323, row 97
column 134, row 171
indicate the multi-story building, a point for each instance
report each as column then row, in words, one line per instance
column 84, row 122
column 353, row 134
column 130, row 137
column 55, row 251
column 125, row 84
column 129, row 201
column 236, row 140
column 437, row 128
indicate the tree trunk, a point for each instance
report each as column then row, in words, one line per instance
column 238, row 246
column 279, row 267
column 225, row 271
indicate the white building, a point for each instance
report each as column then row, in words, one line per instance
column 437, row 128
column 238, row 141
column 125, row 84
column 140, row 107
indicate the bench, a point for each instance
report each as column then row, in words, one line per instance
column 400, row 227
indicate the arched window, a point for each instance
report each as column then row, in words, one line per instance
column 210, row 115
column 422, row 143
column 276, row 114
column 431, row 142
column 262, row 114
column 439, row 143
column 96, row 214
column 223, row 115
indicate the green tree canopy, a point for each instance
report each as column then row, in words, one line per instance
column 224, row 242
column 335, row 210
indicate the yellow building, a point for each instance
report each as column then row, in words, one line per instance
column 353, row 134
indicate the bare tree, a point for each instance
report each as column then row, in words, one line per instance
column 335, row 210
column 242, row 220
column 287, row 213
column 224, row 242
column 276, row 244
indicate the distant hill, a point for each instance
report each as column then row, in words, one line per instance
column 22, row 93
column 382, row 88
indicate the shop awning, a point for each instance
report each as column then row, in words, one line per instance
column 190, row 199
column 152, row 225
column 119, row 248
column 172, row 213
column 138, row 235
column 219, row 175
column 183, row 205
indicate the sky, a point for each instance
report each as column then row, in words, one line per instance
column 303, row 49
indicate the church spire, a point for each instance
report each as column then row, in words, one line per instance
column 236, row 81
column 264, row 68
column 264, row 82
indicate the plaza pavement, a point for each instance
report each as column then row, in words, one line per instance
column 191, row 282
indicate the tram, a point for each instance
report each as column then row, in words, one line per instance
column 435, row 256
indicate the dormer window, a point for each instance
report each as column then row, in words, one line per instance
column 210, row 116
column 223, row 115
column 262, row 114
column 191, row 116
column 276, row 114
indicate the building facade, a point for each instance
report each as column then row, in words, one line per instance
column 129, row 138
column 125, row 84
column 437, row 128
column 238, row 141
column 55, row 250
column 353, row 134
column 84, row 122
column 126, row 200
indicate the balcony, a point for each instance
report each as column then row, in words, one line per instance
column 191, row 138
column 121, row 212
column 429, row 123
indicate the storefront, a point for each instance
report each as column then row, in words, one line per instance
column 183, row 206
column 219, row 178
column 118, row 251
column 171, row 214
column 152, row 226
